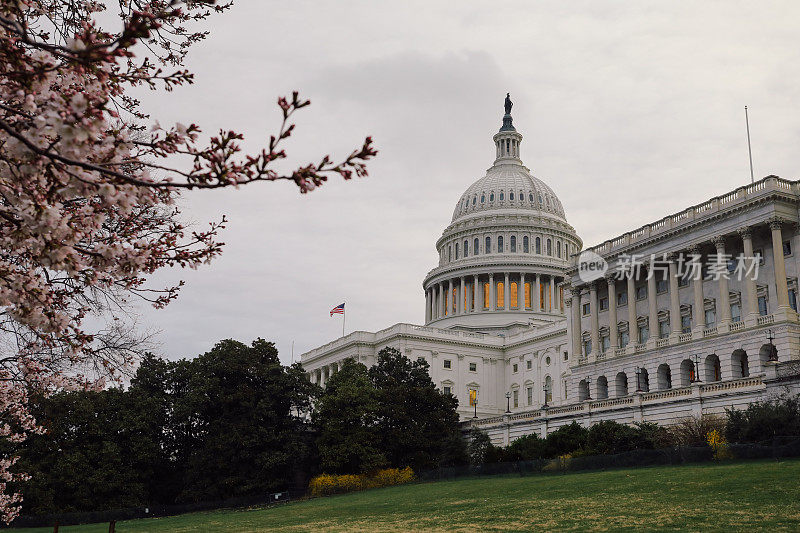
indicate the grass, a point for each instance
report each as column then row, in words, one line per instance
column 760, row 495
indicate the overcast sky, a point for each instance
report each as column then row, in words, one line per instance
column 629, row 111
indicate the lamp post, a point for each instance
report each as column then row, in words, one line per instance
column 638, row 382
column 475, row 403
column 773, row 350
column 588, row 388
column 697, row 369
column 508, row 402
column 546, row 390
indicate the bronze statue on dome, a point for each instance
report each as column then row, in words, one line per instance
column 508, row 103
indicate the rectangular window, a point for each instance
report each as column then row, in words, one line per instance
column 711, row 317
column 661, row 286
column 736, row 313
column 787, row 247
column 528, row 364
column 624, row 338
column 586, row 308
column 516, row 398
column 793, row 299
column 603, row 304
column 587, row 347
column 456, row 250
column 663, row 329
column 762, row 305
column 447, row 363
column 606, row 343
column 447, row 390
column 644, row 334
column 686, row 324
column 641, row 292
column 516, row 368
column 529, row 393
column 622, row 298
column 473, row 367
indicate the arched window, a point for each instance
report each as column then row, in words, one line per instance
column 530, row 197
column 713, row 371
column 514, row 301
column 500, row 244
column 501, row 295
column 740, row 366
column 488, row 248
column 521, row 196
column 687, row 372
column 527, row 294
column 474, row 199
column 502, row 196
column 466, row 248
column 511, row 196
column 583, row 390
column 644, row 380
column 513, row 243
column 538, row 245
column 540, row 199
column 525, row 247
column 549, row 247
column 602, row 388
column 558, row 248
column 621, row 384
column 456, row 250
column 491, row 197
column 548, row 389
column 449, row 253
column 483, row 198
column 475, row 247
column 455, row 300
column 486, row 289
column 664, row 377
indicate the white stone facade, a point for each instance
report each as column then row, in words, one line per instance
column 507, row 314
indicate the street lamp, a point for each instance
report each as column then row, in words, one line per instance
column 508, row 402
column 588, row 388
column 546, row 390
column 773, row 350
column 475, row 403
column 697, row 369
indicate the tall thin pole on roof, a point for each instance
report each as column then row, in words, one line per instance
column 749, row 149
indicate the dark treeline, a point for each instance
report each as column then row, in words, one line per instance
column 232, row 422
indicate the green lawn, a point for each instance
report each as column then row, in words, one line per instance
column 761, row 495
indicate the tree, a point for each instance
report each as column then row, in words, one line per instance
column 346, row 416
column 418, row 423
column 240, row 421
column 87, row 194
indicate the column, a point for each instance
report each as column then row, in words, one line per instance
column 477, row 295
column 698, row 313
column 552, row 294
column 521, row 291
column 461, row 297
column 612, row 314
column 633, row 330
column 674, row 301
column 750, row 293
column 536, row 303
column 576, row 322
column 449, row 299
column 427, row 306
column 506, row 293
column 594, row 318
column 652, row 308
column 724, row 296
column 779, row 265
column 492, row 291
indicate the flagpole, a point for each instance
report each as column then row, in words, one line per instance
column 749, row 150
column 344, row 314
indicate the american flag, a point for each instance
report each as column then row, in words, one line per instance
column 338, row 310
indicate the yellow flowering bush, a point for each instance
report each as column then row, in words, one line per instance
column 326, row 484
column 716, row 441
column 559, row 463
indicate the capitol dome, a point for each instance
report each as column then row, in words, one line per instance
column 503, row 258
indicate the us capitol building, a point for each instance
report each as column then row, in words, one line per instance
column 510, row 321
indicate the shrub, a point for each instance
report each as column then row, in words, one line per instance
column 565, row 440
column 525, row 448
column 716, row 441
column 764, row 420
column 479, row 447
column 693, row 431
column 327, row 484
